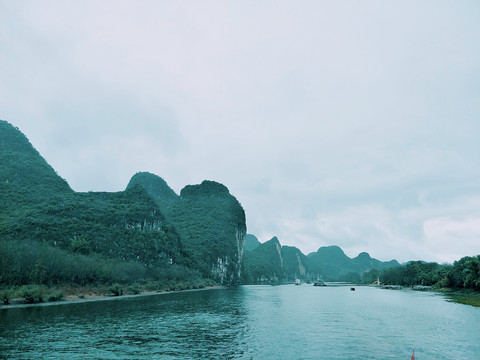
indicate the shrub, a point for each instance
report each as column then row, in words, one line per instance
column 5, row 296
column 116, row 289
column 55, row 296
column 133, row 289
column 32, row 294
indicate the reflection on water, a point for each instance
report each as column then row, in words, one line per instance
column 251, row 322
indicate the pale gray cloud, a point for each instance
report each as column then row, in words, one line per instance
column 349, row 123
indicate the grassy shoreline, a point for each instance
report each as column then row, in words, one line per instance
column 71, row 295
column 28, row 295
column 96, row 294
column 461, row 296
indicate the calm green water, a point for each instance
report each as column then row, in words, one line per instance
column 249, row 322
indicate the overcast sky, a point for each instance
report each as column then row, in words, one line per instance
column 349, row 123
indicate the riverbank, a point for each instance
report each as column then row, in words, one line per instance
column 466, row 297
column 460, row 296
column 92, row 297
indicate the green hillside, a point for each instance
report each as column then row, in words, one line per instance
column 38, row 207
column 25, row 177
column 156, row 187
column 210, row 223
column 264, row 265
column 267, row 264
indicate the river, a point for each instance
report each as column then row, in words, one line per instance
column 248, row 322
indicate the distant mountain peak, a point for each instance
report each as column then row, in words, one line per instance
column 251, row 242
column 332, row 249
column 206, row 188
column 363, row 256
column 23, row 169
column 153, row 184
column 274, row 239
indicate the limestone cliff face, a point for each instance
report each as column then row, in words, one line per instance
column 240, row 236
column 144, row 225
column 212, row 227
column 210, row 221
column 301, row 268
column 228, row 270
column 264, row 265
column 295, row 264
column 221, row 268
column 272, row 263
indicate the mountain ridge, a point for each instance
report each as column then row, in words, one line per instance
column 127, row 226
column 203, row 227
column 328, row 263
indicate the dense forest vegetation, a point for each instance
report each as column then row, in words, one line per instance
column 53, row 236
column 124, row 225
column 32, row 268
column 38, row 205
column 209, row 220
column 462, row 274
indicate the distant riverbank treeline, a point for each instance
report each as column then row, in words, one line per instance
column 462, row 274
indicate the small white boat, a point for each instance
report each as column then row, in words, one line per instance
column 298, row 282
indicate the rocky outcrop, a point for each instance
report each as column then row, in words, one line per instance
column 295, row 264
column 264, row 265
column 240, row 236
column 209, row 220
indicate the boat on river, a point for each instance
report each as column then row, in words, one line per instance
column 319, row 283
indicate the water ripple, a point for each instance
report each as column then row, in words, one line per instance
column 252, row 322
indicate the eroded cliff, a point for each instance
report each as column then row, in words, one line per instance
column 210, row 221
